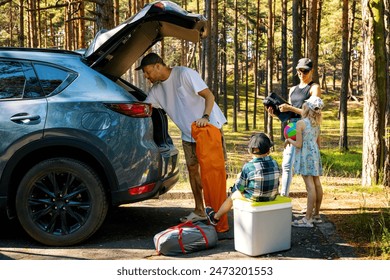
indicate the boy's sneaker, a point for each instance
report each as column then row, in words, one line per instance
column 210, row 213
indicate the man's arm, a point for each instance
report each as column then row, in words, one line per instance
column 209, row 103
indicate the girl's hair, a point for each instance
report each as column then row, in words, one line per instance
column 314, row 116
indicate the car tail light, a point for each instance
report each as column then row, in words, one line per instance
column 134, row 109
column 141, row 189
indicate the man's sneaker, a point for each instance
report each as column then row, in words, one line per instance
column 210, row 213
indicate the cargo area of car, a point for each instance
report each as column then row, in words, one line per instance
column 160, row 130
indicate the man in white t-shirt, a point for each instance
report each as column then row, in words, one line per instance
column 185, row 97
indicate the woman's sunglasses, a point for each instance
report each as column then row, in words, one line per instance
column 304, row 71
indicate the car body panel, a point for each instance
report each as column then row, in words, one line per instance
column 21, row 118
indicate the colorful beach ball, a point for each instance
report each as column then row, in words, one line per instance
column 290, row 131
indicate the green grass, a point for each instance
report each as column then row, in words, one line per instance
column 370, row 229
column 341, row 164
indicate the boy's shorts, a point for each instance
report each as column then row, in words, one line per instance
column 237, row 194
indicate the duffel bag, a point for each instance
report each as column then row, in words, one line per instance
column 185, row 238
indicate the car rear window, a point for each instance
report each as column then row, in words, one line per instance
column 52, row 78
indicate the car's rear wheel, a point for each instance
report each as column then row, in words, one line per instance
column 61, row 202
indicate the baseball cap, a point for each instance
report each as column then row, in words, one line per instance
column 260, row 141
column 305, row 63
column 315, row 103
column 151, row 58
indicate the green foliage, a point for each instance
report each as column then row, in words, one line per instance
column 369, row 228
column 363, row 191
column 385, row 239
column 339, row 164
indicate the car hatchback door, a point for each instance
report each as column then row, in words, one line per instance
column 113, row 52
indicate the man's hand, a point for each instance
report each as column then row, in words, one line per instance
column 201, row 122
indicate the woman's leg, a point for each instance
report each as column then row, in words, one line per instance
column 287, row 169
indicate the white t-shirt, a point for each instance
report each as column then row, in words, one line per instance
column 178, row 96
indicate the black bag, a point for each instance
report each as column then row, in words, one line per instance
column 274, row 100
column 185, row 238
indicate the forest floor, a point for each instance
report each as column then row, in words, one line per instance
column 361, row 216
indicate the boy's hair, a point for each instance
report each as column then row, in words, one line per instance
column 259, row 144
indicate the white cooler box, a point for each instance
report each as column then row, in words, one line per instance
column 262, row 227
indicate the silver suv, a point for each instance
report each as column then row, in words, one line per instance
column 76, row 137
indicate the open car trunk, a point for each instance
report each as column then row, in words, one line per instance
column 113, row 52
column 159, row 118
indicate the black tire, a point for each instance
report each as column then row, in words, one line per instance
column 61, row 202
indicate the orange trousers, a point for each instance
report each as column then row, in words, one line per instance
column 211, row 159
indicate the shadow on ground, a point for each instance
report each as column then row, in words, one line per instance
column 128, row 234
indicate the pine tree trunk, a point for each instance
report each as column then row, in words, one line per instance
column 312, row 37
column 268, row 118
column 351, row 60
column 297, row 41
column 246, row 67
column 21, row 24
column 386, row 167
column 214, row 49
column 343, row 111
column 224, row 61
column 105, row 15
column 256, row 67
column 236, row 70
column 374, row 88
column 283, row 57
column 81, row 27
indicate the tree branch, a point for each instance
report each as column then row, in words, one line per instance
column 83, row 18
column 2, row 3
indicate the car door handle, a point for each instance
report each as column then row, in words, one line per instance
column 25, row 118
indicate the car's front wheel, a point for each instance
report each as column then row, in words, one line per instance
column 61, row 202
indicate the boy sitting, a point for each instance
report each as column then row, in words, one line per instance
column 258, row 180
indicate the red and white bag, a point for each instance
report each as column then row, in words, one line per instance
column 185, row 238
